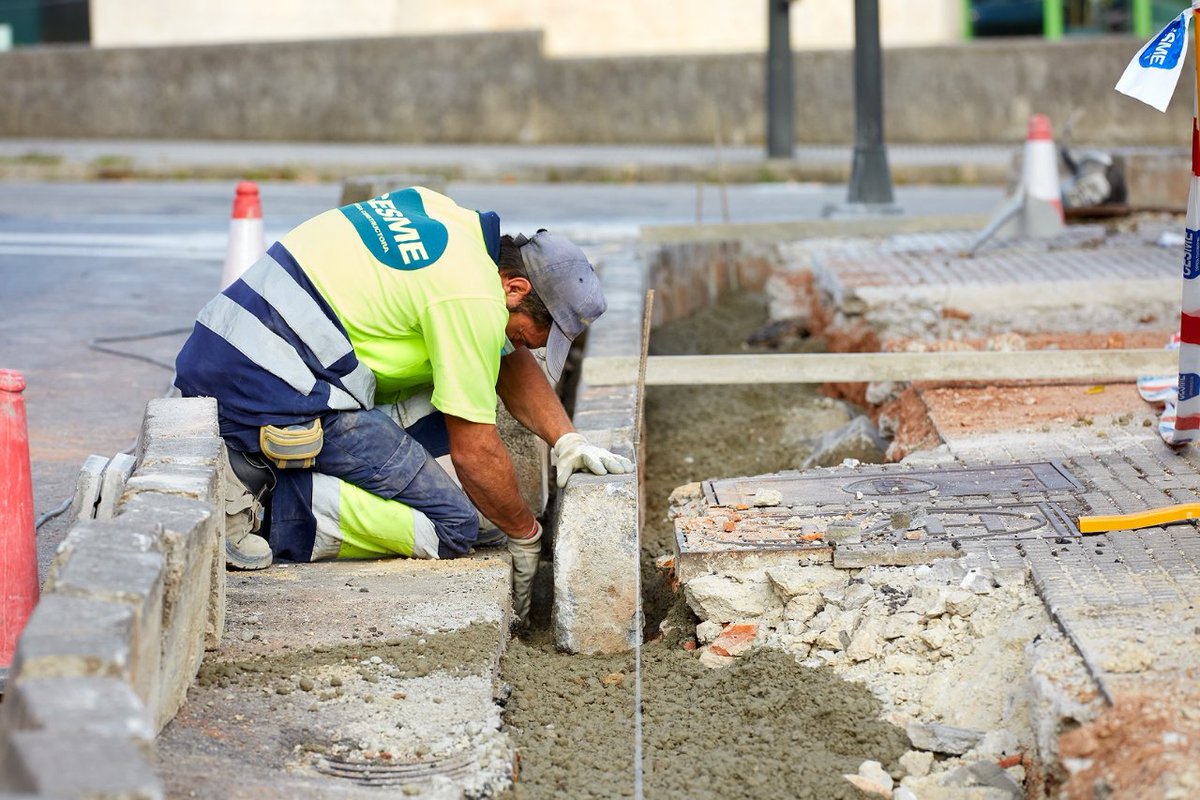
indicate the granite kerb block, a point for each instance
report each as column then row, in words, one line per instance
column 99, row 705
column 69, row 636
column 193, row 612
column 595, row 565
column 109, row 562
column 77, row 764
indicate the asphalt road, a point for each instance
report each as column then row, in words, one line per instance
column 85, row 261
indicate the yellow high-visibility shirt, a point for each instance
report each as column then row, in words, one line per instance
column 410, row 277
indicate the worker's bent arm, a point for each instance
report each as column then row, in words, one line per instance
column 529, row 397
column 487, row 474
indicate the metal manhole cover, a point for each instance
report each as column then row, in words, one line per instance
column 1004, row 479
column 394, row 773
column 887, row 485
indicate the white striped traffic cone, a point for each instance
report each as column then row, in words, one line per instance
column 1036, row 209
column 1039, row 171
column 246, row 242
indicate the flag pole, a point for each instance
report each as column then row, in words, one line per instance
column 1187, row 413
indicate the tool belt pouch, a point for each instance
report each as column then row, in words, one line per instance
column 293, row 446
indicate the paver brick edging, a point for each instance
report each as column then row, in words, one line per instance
column 127, row 610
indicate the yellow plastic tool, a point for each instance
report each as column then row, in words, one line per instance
column 1142, row 519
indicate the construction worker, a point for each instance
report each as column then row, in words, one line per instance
column 370, row 340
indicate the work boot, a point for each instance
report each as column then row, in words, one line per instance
column 243, row 549
column 490, row 536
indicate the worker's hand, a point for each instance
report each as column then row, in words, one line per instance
column 525, row 554
column 572, row 453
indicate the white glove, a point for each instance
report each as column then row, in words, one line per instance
column 525, row 554
column 573, row 453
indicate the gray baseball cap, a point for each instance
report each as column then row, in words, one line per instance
column 566, row 281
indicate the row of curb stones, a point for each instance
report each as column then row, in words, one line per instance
column 127, row 610
column 597, row 517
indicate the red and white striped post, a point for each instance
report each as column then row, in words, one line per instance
column 1187, row 410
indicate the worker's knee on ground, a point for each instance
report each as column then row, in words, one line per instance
column 369, row 450
column 457, row 528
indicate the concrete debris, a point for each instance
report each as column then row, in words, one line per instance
column 984, row 773
column 844, row 532
column 802, row 608
column 926, row 459
column 916, row 763
column 941, row 644
column 902, row 625
column 765, row 498
column 903, row 793
column 944, row 739
column 792, row 581
column 874, row 772
column 836, row 635
column 977, row 581
column 725, row 598
column 867, row 641
column 707, row 631
column 859, row 440
column 869, row 786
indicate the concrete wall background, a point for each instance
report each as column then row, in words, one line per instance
column 501, row 88
column 572, row 28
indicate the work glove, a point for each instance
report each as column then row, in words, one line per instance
column 525, row 554
column 572, row 453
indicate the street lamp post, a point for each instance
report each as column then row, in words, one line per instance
column 870, row 177
column 780, row 114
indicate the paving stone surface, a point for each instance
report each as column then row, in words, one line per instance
column 1124, row 599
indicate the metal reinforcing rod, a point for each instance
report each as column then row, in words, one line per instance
column 637, row 569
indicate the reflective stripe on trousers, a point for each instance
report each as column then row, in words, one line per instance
column 370, row 452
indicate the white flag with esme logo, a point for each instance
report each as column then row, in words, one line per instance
column 1154, row 71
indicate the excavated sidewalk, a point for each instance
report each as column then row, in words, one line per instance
column 1019, row 654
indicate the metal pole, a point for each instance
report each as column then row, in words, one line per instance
column 870, row 178
column 1052, row 19
column 968, row 23
column 780, row 114
column 1143, row 18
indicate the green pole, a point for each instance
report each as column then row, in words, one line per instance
column 968, row 26
column 1143, row 18
column 1052, row 19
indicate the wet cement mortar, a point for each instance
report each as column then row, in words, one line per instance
column 361, row 703
column 762, row 727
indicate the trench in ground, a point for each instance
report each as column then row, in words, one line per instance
column 795, row 716
column 765, row 726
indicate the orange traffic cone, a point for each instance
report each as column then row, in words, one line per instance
column 246, row 242
column 18, row 550
column 1036, row 209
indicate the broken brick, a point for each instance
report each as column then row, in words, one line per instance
column 735, row 639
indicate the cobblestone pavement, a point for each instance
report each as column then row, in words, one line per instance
column 1124, row 599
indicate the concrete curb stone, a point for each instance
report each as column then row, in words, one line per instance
column 99, row 766
column 597, row 518
column 127, row 609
